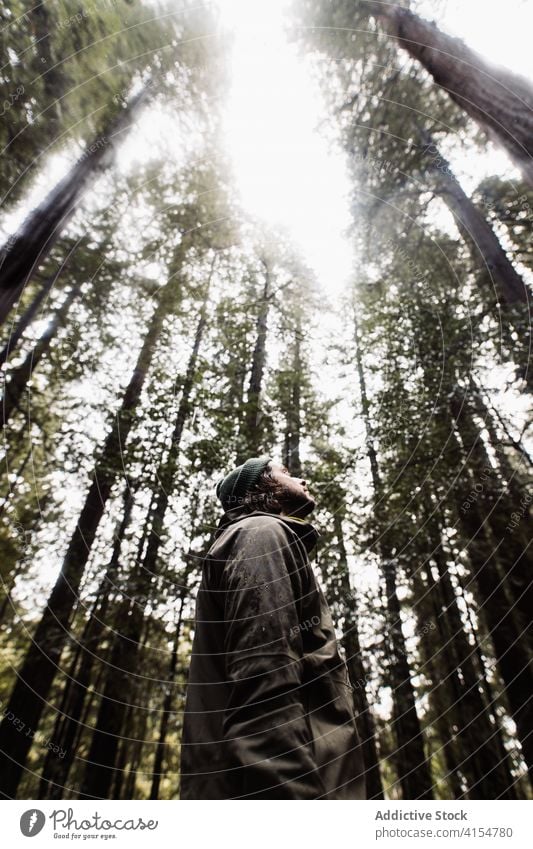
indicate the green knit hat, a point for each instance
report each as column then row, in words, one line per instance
column 232, row 488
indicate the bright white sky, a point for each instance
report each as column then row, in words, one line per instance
column 285, row 171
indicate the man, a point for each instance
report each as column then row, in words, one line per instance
column 269, row 711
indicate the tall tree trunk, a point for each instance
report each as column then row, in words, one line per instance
column 513, row 660
column 488, row 688
column 500, row 101
column 122, row 760
column 410, row 759
column 438, row 666
column 167, row 704
column 293, row 413
column 357, row 672
column 53, row 77
column 487, row 413
column 136, row 750
column 485, row 246
column 439, row 701
column 250, row 430
column 498, row 277
column 507, row 633
column 513, row 544
column 22, row 253
column 118, row 700
column 27, row 316
column 18, row 380
column 487, row 773
column 11, row 486
column 509, row 474
column 55, row 770
column 42, row 659
column 104, row 743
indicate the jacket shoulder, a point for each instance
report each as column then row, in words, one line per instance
column 262, row 526
column 260, row 521
column 256, row 527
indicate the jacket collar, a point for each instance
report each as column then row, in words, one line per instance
column 305, row 531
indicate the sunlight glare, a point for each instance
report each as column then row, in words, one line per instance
column 285, row 171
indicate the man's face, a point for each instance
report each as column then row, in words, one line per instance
column 296, row 498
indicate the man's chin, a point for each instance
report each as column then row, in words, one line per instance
column 302, row 508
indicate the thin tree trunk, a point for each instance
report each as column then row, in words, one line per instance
column 439, row 698
column 500, row 101
column 487, row 775
column 41, row 663
column 513, row 443
column 130, row 750
column 55, row 770
column 137, row 747
column 452, row 760
column 27, row 316
column 250, row 431
column 513, row 660
column 22, row 253
column 293, row 417
column 509, row 474
column 167, row 705
column 411, row 763
column 507, row 634
column 53, row 77
column 357, row 673
column 18, row 380
column 17, row 475
column 122, row 759
column 488, row 690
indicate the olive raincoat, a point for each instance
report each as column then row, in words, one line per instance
column 269, row 710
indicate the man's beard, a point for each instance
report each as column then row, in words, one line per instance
column 299, row 506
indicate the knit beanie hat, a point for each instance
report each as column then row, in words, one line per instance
column 232, row 488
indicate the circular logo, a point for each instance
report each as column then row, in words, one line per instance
column 32, row 822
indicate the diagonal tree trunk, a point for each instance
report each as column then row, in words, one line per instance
column 41, row 664
column 509, row 474
column 16, row 386
column 55, row 770
column 27, row 316
column 22, row 253
column 500, row 101
column 495, row 506
column 488, row 413
column 486, row 249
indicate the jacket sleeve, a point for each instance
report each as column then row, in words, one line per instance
column 265, row 725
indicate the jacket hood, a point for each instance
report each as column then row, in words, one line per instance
column 304, row 530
